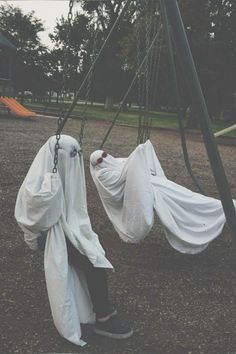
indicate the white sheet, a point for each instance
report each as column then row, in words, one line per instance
column 56, row 203
column 132, row 188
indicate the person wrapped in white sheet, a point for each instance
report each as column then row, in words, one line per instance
column 55, row 204
column 132, row 188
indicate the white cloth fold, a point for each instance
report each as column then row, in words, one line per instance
column 56, row 203
column 132, row 188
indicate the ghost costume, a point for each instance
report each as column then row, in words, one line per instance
column 132, row 188
column 55, row 203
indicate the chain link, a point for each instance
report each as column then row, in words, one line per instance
column 65, row 69
column 144, row 78
column 145, row 121
column 91, row 75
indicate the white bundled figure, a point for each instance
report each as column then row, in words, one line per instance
column 132, row 188
column 55, row 203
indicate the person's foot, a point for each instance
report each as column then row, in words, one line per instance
column 113, row 328
column 113, row 313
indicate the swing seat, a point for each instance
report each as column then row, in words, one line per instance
column 132, row 189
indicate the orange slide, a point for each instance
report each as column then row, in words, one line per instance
column 17, row 108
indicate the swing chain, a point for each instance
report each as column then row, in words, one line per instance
column 90, row 77
column 144, row 85
column 63, row 86
column 140, row 78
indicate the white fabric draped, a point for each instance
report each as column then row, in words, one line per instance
column 132, row 188
column 56, row 203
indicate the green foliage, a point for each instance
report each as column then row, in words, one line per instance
column 112, row 76
column 22, row 30
column 70, row 44
column 211, row 29
column 86, row 36
column 29, row 64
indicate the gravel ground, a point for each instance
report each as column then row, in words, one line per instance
column 176, row 303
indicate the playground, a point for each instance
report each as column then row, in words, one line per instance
column 176, row 303
column 130, row 76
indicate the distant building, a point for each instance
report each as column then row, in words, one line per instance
column 7, row 53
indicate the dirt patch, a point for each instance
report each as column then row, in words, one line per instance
column 175, row 303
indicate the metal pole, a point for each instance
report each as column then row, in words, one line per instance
column 185, row 55
column 178, row 100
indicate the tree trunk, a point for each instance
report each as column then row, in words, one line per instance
column 109, row 103
column 192, row 121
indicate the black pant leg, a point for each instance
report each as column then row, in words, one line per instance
column 96, row 280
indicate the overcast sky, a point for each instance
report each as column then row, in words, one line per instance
column 47, row 10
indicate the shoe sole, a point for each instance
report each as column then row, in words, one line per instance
column 113, row 335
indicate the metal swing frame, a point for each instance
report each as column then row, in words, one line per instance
column 175, row 33
column 183, row 50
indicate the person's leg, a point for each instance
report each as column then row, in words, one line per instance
column 96, row 280
column 107, row 323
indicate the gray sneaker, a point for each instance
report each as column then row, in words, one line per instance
column 113, row 328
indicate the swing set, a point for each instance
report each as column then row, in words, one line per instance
column 171, row 29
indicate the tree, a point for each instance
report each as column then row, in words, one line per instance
column 223, row 53
column 29, row 64
column 70, row 46
column 112, row 76
column 84, row 39
column 23, row 31
column 145, row 27
column 211, row 30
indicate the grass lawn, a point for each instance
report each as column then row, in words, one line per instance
column 129, row 116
